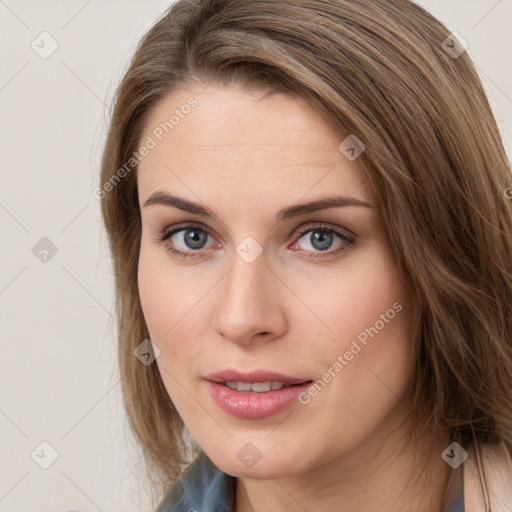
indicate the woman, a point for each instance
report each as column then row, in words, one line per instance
column 306, row 203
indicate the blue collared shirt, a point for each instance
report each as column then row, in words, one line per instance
column 205, row 488
column 202, row 488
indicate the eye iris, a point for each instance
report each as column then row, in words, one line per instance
column 195, row 239
column 321, row 241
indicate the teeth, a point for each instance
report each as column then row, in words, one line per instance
column 258, row 387
column 261, row 386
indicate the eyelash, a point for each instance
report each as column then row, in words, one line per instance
column 323, row 228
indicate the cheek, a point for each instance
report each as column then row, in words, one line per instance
column 368, row 364
column 171, row 304
column 351, row 298
column 379, row 344
column 164, row 310
column 154, row 296
column 167, row 293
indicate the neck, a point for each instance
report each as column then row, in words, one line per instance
column 409, row 475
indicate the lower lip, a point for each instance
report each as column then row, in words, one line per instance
column 253, row 405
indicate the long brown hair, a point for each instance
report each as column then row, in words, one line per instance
column 382, row 70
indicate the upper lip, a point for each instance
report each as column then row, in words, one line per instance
column 253, row 376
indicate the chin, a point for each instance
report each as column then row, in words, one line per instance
column 241, row 465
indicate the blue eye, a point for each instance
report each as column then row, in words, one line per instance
column 193, row 240
column 193, row 237
column 321, row 238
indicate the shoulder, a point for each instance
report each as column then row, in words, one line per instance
column 202, row 488
column 496, row 463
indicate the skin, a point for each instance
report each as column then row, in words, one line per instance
column 246, row 155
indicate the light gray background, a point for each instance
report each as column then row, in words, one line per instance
column 59, row 380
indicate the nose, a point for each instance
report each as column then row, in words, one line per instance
column 249, row 306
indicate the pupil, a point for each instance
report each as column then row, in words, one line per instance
column 321, row 241
column 195, row 239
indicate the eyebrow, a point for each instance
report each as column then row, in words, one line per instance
column 165, row 199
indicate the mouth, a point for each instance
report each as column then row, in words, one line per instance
column 256, row 387
column 256, row 394
column 259, row 381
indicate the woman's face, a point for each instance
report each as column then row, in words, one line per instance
column 266, row 289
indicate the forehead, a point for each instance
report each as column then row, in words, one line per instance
column 248, row 141
column 262, row 112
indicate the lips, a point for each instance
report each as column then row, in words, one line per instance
column 256, row 394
